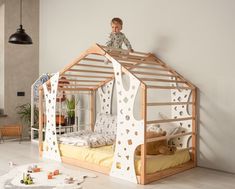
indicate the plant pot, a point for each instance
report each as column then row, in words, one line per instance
column 70, row 120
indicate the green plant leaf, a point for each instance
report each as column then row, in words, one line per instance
column 70, row 103
column 24, row 112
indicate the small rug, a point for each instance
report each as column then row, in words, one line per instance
column 11, row 180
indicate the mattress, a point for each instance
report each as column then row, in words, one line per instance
column 103, row 156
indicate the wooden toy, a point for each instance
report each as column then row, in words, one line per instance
column 27, row 179
column 50, row 175
column 37, row 169
column 69, row 180
column 56, row 172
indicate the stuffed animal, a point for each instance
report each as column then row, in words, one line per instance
column 157, row 147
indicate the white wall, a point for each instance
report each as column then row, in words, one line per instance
column 196, row 37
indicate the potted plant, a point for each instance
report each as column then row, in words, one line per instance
column 24, row 111
column 70, row 103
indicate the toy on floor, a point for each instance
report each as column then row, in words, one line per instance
column 27, row 179
column 69, row 180
column 11, row 163
column 54, row 173
column 33, row 169
column 50, row 175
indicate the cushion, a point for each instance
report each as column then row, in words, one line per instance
column 100, row 139
column 79, row 138
column 106, row 124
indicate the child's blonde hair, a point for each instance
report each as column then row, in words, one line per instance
column 116, row 20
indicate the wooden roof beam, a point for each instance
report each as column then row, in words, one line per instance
column 162, row 80
column 90, row 71
column 86, row 76
column 167, row 87
column 80, row 81
column 95, row 60
column 173, row 71
column 148, row 68
column 94, row 66
column 95, row 49
column 103, row 83
column 119, row 59
column 155, row 74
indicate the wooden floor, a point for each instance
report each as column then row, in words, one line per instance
column 198, row 178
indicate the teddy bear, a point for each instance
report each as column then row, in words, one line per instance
column 157, row 147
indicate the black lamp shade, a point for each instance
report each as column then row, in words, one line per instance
column 20, row 37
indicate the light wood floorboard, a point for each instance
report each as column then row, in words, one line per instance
column 198, row 178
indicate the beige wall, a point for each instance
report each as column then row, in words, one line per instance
column 21, row 61
column 196, row 37
column 2, row 10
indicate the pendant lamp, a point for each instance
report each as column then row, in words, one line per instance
column 20, row 37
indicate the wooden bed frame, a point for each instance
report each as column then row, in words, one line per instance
column 80, row 78
column 148, row 177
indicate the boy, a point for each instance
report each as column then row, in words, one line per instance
column 117, row 38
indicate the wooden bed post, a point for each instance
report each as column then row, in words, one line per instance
column 40, row 129
column 32, row 112
column 92, row 108
column 194, row 126
column 143, row 146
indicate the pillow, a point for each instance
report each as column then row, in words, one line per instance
column 99, row 139
column 96, row 140
column 106, row 124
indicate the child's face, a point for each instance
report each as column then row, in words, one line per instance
column 116, row 27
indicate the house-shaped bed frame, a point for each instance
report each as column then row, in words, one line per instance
column 96, row 68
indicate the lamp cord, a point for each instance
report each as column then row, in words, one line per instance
column 20, row 12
